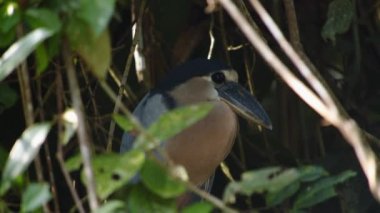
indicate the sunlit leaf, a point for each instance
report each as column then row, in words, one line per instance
column 23, row 152
column 9, row 16
column 123, row 122
column 201, row 207
column 141, row 200
column 18, row 52
column 114, row 206
column 114, row 170
column 173, row 122
column 339, row 17
column 321, row 190
column 35, row 196
column 157, row 180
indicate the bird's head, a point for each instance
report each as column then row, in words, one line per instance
column 210, row 80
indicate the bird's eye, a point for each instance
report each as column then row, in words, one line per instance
column 218, row 77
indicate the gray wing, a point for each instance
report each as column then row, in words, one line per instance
column 147, row 112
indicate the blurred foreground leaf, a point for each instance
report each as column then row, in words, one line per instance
column 277, row 184
column 155, row 178
column 35, row 196
column 123, row 122
column 23, row 152
column 97, row 54
column 321, row 190
column 114, row 170
column 20, row 50
column 114, row 206
column 141, row 200
column 201, row 207
column 171, row 123
column 96, row 13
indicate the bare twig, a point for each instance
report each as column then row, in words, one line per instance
column 47, row 150
column 298, row 87
column 210, row 198
column 120, row 95
column 212, row 38
column 83, row 137
column 27, row 103
column 59, row 154
column 140, row 61
column 293, row 56
column 331, row 109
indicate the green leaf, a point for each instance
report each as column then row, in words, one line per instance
column 8, row 97
column 73, row 163
column 320, row 191
column 171, row 123
column 42, row 59
column 18, row 52
column 23, row 152
column 114, row 206
column 311, row 173
column 201, row 207
column 36, row 195
column 96, row 13
column 123, row 122
column 114, row 170
column 270, row 180
column 97, row 54
column 276, row 197
column 157, row 180
column 339, row 17
column 10, row 16
column 140, row 200
column 43, row 18
column 7, row 38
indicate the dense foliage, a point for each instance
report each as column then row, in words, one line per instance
column 71, row 71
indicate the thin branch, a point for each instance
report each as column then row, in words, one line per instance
column 47, row 150
column 28, row 108
column 293, row 56
column 293, row 82
column 212, row 38
column 121, row 91
column 331, row 108
column 59, row 154
column 83, row 137
column 210, row 198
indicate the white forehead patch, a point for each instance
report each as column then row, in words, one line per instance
column 231, row 75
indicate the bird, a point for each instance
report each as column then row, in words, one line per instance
column 201, row 147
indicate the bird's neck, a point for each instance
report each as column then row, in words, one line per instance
column 194, row 91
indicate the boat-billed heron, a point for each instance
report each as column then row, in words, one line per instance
column 204, row 145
